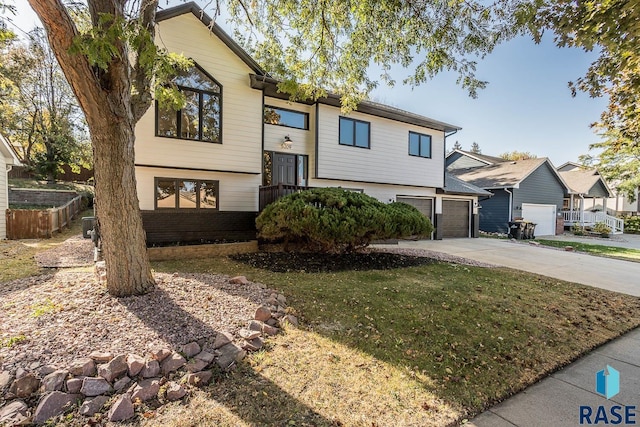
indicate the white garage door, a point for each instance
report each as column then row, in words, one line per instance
column 542, row 215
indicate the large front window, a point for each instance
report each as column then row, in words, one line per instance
column 200, row 118
column 172, row 193
column 354, row 132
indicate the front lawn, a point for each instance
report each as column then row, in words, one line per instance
column 598, row 250
column 422, row 345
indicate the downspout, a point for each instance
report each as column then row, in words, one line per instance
column 444, row 154
column 510, row 204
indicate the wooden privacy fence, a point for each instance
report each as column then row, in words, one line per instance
column 37, row 224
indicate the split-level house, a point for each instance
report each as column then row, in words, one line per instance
column 8, row 159
column 204, row 172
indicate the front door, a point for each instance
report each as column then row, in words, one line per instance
column 284, row 169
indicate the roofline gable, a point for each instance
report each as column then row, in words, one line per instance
column 9, row 153
column 553, row 170
column 206, row 20
column 467, row 154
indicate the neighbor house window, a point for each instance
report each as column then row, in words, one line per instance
column 284, row 117
column 419, row 145
column 354, row 132
column 174, row 193
column 200, row 118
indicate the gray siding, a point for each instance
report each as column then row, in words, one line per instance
column 494, row 212
column 460, row 161
column 598, row 190
column 541, row 187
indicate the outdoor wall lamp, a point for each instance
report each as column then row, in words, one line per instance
column 287, row 143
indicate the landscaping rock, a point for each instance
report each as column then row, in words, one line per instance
column 5, row 379
column 534, row 243
column 85, row 366
column 95, row 386
column 239, row 280
column 191, row 349
column 196, row 365
column 272, row 322
column 92, row 406
column 282, row 300
column 222, row 338
column 230, row 354
column 53, row 404
column 199, row 378
column 270, row 330
column 55, row 380
column 262, row 314
column 101, row 356
column 146, row 390
column 175, row 391
column 121, row 383
column 160, row 353
column 74, row 384
column 249, row 334
column 46, row 370
column 173, row 363
column 151, row 369
column 20, row 372
column 256, row 325
column 135, row 364
column 114, row 368
column 13, row 413
column 254, row 344
column 205, row 356
column 25, row 386
column 290, row 319
column 568, row 248
column 122, row 409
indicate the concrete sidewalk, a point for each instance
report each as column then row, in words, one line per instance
column 556, row 400
column 605, row 273
column 630, row 241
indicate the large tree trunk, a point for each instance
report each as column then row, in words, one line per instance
column 105, row 96
column 123, row 239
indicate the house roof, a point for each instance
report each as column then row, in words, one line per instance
column 198, row 12
column 269, row 86
column 569, row 166
column 453, row 185
column 11, row 158
column 489, row 160
column 506, row 174
column 581, row 181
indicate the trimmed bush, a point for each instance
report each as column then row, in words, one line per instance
column 632, row 224
column 336, row 220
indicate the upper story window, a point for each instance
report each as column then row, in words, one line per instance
column 174, row 193
column 284, row 117
column 200, row 118
column 355, row 132
column 419, row 145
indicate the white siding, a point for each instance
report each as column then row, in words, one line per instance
column 4, row 197
column 387, row 160
column 237, row 192
column 241, row 106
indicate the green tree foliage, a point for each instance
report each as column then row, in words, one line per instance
column 337, row 220
column 610, row 28
column 38, row 109
column 517, row 155
column 618, row 162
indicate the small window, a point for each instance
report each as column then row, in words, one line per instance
column 186, row 194
column 284, row 117
column 419, row 145
column 354, row 132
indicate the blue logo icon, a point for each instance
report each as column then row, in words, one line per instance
column 608, row 382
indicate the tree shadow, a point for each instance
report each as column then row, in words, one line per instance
column 176, row 326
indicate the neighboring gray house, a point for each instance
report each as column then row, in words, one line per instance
column 460, row 159
column 531, row 189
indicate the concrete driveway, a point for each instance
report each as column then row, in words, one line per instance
column 605, row 273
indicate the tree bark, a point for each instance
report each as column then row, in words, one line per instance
column 105, row 98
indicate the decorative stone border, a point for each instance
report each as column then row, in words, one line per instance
column 113, row 384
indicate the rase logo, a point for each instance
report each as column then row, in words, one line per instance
column 607, row 385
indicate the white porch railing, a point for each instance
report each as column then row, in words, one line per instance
column 590, row 218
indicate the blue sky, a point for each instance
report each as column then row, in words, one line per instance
column 527, row 105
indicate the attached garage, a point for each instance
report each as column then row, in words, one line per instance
column 544, row 216
column 456, row 218
column 423, row 204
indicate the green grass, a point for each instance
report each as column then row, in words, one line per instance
column 469, row 336
column 598, row 250
column 37, row 184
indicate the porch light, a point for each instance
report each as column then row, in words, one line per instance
column 287, row 143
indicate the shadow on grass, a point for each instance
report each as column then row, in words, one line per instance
column 177, row 326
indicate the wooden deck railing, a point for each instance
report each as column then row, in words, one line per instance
column 590, row 218
column 271, row 193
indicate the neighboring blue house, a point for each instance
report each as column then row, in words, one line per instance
column 531, row 189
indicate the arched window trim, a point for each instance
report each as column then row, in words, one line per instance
column 200, row 93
